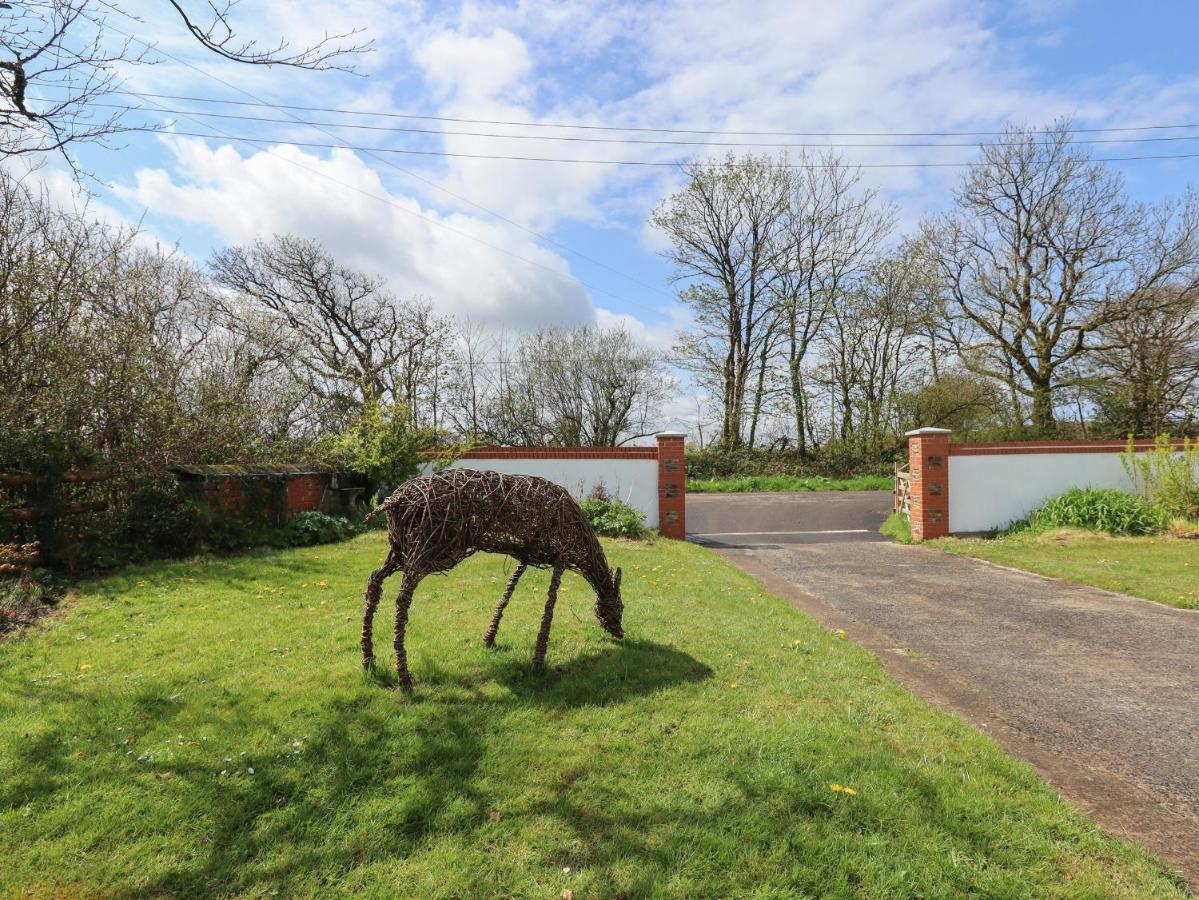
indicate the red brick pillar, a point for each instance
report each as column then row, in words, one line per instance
column 928, row 461
column 672, row 485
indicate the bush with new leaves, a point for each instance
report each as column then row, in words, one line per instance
column 1097, row 509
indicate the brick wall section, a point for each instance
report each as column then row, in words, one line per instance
column 228, row 497
column 672, row 485
column 928, row 462
column 305, row 492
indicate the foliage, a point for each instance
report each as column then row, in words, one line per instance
column 380, row 444
column 614, row 518
column 312, row 527
column 834, row 461
column 47, row 456
column 719, row 724
column 749, row 483
column 1096, row 509
column 161, row 522
column 302, row 530
column 1167, row 475
column 1155, row 568
column 898, row 528
column 24, row 598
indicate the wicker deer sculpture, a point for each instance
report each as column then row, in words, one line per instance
column 437, row 521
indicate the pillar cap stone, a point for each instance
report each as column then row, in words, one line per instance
column 918, row 432
column 671, row 434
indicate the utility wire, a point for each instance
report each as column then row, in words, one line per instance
column 257, row 102
column 614, row 162
column 638, row 141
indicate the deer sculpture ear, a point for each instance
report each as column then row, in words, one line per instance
column 616, row 581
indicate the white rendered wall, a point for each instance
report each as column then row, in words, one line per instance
column 989, row 492
column 635, row 481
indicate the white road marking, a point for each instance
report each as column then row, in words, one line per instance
column 742, row 533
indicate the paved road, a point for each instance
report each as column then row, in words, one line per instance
column 1099, row 691
column 792, row 518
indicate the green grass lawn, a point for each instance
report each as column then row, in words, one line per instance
column 741, row 484
column 1156, row 568
column 204, row 728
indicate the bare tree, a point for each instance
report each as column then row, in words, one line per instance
column 340, row 332
column 724, row 228
column 59, row 60
column 1042, row 252
column 1146, row 379
column 833, row 230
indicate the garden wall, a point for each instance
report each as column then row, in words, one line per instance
column 267, row 495
column 651, row 479
column 978, row 487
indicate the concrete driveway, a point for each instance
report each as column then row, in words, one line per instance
column 1099, row 691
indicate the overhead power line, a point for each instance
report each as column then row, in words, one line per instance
column 417, row 176
column 631, row 128
column 393, row 129
column 612, row 162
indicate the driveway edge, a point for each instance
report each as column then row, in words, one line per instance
column 1123, row 807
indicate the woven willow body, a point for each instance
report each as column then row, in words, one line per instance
column 435, row 522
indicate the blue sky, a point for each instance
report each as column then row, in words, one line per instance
column 495, row 240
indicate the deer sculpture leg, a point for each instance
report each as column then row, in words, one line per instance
column 543, row 637
column 403, row 601
column 489, row 637
column 374, row 588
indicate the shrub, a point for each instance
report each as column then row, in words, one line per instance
column 24, row 598
column 1167, row 475
column 614, row 518
column 161, row 523
column 1097, row 509
column 308, row 528
column 380, row 445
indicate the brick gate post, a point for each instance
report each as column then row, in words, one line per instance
column 928, row 462
column 672, row 485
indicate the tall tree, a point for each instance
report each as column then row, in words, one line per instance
column 338, row 329
column 1042, row 251
column 1146, row 379
column 724, row 228
column 833, row 229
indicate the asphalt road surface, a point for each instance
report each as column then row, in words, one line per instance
column 1096, row 690
column 812, row 517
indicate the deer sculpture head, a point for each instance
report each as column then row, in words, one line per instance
column 608, row 605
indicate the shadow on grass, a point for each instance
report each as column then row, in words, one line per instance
column 377, row 776
column 603, row 676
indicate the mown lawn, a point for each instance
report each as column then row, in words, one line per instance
column 204, row 728
column 757, row 483
column 1156, row 568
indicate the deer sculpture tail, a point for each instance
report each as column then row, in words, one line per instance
column 381, row 508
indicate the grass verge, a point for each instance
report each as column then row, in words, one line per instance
column 1159, row 568
column 204, row 728
column 757, row 483
column 898, row 528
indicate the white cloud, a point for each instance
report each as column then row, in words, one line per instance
column 774, row 65
column 341, row 202
column 470, row 68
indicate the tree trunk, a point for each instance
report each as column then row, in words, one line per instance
column 1043, row 421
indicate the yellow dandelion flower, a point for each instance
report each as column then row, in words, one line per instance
column 850, row 791
column 836, row 787
column 84, row 667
